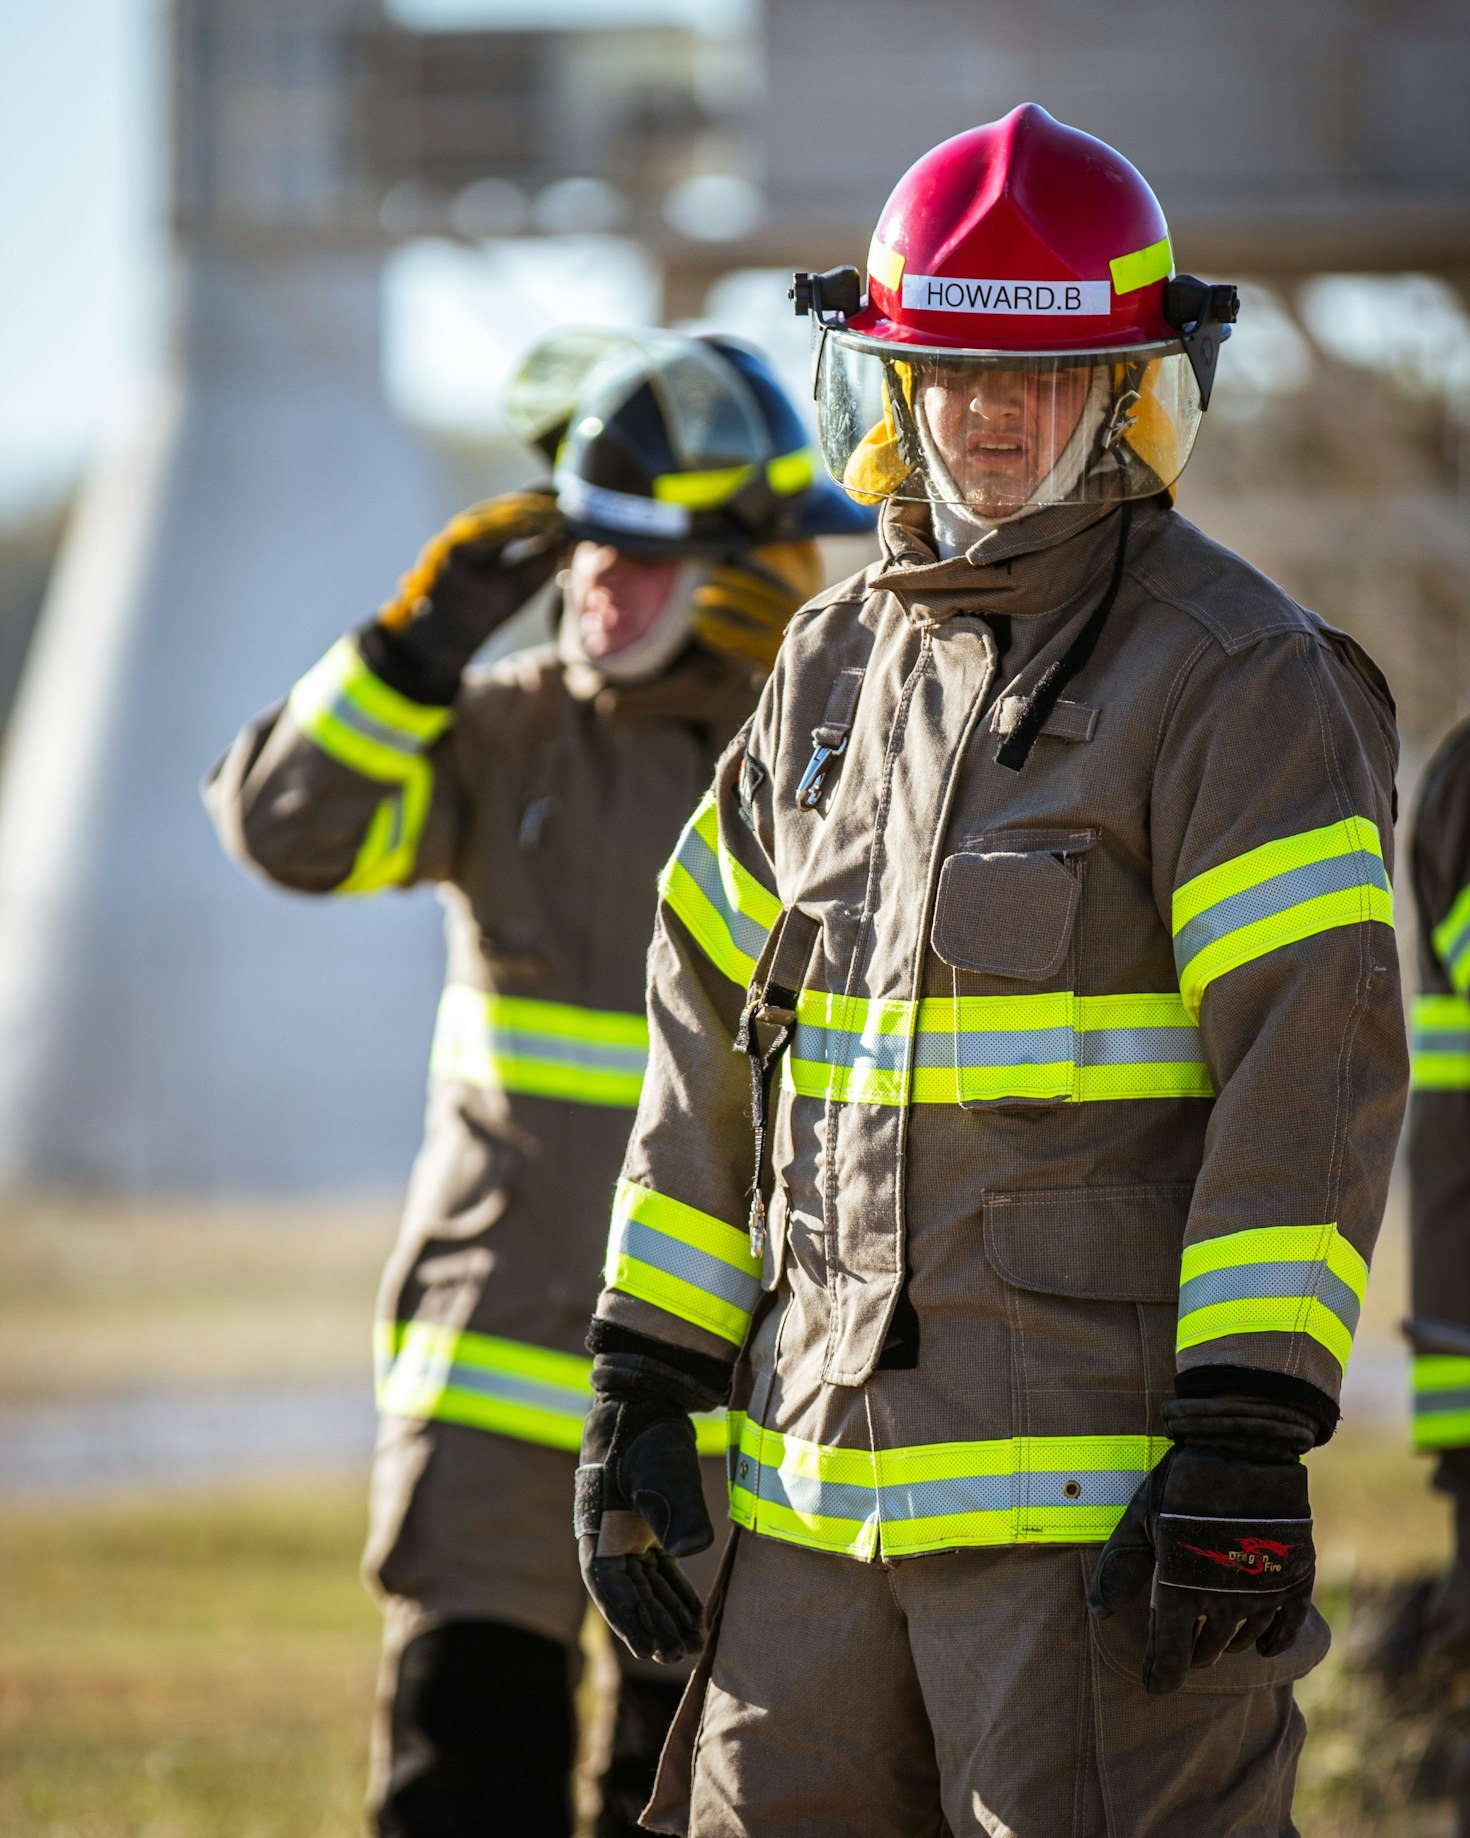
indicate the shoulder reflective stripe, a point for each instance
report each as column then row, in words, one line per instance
column 1279, row 1279
column 1275, row 895
column 1441, row 1401
column 727, row 911
column 441, row 1374
column 1452, row 942
column 903, row 1502
column 1057, row 1045
column 1131, row 272
column 544, row 1049
column 359, row 721
column 1441, row 1044
column 682, row 1260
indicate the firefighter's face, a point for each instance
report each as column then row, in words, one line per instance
column 617, row 597
column 1000, row 431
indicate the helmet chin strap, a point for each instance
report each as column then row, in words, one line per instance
column 957, row 527
column 648, row 656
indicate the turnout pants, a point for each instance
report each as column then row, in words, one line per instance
column 472, row 1556
column 963, row 1694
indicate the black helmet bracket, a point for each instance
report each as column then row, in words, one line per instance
column 1203, row 312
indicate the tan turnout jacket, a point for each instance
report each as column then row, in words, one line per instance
column 1439, row 1112
column 1097, row 1069
column 545, row 815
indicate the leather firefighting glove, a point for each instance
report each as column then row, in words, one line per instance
column 1222, row 1532
column 1447, row 1612
column 480, row 569
column 640, row 1500
column 743, row 606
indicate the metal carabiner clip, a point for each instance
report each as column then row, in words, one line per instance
column 809, row 791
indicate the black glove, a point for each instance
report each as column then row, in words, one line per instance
column 479, row 571
column 1223, row 1530
column 640, row 1502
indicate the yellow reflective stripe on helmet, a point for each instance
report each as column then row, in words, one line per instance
column 1276, row 895
column 683, row 1260
column 1441, row 1401
column 1130, row 272
column 972, row 1049
column 442, row 1374
column 790, row 473
column 1275, row 1279
column 885, row 265
column 702, row 491
column 907, row 1501
column 727, row 911
column 543, row 1049
column 1441, row 1044
column 1451, row 939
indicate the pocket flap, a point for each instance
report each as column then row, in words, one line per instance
column 1005, row 914
column 1108, row 1244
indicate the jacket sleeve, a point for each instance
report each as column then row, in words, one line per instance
column 1439, row 1108
column 1273, row 837
column 347, row 787
column 679, row 1262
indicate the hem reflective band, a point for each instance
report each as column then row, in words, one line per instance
column 1441, row 1401
column 1441, row 1044
column 974, row 1049
column 544, row 1049
column 867, row 1503
column 1275, row 895
column 357, row 720
column 442, row 1374
column 728, row 912
column 1131, row 272
column 682, row 1260
column 1452, row 942
column 1275, row 1279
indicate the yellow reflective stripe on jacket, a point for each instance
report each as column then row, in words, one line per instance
column 544, row 1049
column 970, row 1049
column 682, row 1260
column 727, row 911
column 1275, row 895
column 1274, row 1279
column 357, row 720
column 1452, row 942
column 1441, row 1044
column 1441, row 1401
column 903, row 1502
column 449, row 1375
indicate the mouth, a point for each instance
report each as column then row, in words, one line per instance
column 994, row 443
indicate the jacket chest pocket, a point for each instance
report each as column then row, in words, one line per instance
column 1005, row 921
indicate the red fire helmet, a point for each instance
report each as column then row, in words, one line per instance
column 1024, row 340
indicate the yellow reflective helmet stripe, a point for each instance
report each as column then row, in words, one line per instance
column 433, row 1373
column 903, row 1502
column 1130, row 272
column 1276, row 895
column 542, row 1049
column 1452, row 942
column 786, row 474
column 727, row 911
column 682, row 1260
column 363, row 724
column 1441, row 1401
column 885, row 265
column 1441, row 1044
column 1275, row 1279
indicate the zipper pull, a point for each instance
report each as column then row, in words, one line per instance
column 809, row 791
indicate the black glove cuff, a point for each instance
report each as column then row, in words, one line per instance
column 1242, row 1429
column 414, row 660
column 713, row 1375
column 1260, row 1382
column 649, row 1381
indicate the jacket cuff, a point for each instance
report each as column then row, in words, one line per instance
column 412, row 661
column 1261, row 1382
column 713, row 1375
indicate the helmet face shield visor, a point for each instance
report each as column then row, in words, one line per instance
column 1004, row 433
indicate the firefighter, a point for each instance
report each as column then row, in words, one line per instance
column 542, row 797
column 1041, row 922
column 1439, row 1169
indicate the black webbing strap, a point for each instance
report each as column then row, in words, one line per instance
column 766, row 1026
column 1031, row 717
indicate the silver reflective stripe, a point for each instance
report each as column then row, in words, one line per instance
column 841, row 1047
column 1137, row 1046
column 514, row 1390
column 702, row 865
column 340, row 706
column 1253, row 1282
column 685, row 1261
column 1441, row 1040
column 1431, row 1403
column 586, row 1055
column 978, row 1493
column 1291, row 887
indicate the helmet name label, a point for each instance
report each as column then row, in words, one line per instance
column 934, row 293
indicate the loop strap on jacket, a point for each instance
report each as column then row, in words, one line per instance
column 766, row 1026
column 829, row 738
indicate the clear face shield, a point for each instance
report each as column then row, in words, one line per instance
column 998, row 435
